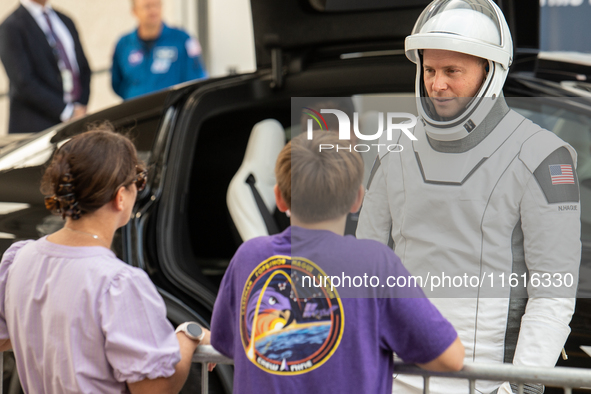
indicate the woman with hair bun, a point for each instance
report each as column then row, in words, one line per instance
column 78, row 318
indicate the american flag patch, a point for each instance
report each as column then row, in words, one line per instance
column 562, row 174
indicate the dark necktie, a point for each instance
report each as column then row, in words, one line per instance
column 63, row 57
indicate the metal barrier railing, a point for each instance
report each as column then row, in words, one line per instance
column 566, row 378
column 207, row 354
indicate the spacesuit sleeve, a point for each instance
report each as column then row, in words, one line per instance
column 550, row 214
column 375, row 221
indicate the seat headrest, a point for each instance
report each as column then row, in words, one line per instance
column 266, row 141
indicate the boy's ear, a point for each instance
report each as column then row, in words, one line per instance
column 279, row 201
column 358, row 200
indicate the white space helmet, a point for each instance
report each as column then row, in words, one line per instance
column 473, row 27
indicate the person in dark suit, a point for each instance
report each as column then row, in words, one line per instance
column 48, row 71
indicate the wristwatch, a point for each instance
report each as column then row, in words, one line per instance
column 192, row 330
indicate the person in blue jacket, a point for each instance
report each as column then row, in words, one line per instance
column 154, row 56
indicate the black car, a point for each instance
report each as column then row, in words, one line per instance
column 194, row 136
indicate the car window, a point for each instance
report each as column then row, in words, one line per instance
column 571, row 127
column 143, row 134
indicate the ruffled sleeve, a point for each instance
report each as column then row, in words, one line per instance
column 139, row 341
column 7, row 260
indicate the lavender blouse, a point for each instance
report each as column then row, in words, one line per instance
column 82, row 321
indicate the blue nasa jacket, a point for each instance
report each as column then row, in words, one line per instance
column 140, row 67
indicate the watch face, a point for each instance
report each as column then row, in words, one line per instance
column 194, row 329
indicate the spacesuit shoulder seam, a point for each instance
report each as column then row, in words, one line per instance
column 537, row 147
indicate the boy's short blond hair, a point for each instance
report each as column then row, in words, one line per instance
column 319, row 185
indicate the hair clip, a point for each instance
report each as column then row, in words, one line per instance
column 67, row 199
column 73, row 211
column 65, row 187
column 52, row 203
column 67, row 178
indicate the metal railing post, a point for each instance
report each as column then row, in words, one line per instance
column 204, row 355
column 204, row 379
column 472, row 386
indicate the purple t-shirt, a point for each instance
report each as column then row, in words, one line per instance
column 82, row 321
column 287, row 332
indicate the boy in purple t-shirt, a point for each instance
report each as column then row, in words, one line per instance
column 312, row 310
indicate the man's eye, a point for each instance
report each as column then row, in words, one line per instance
column 272, row 300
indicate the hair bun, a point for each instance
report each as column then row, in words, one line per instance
column 86, row 171
column 64, row 200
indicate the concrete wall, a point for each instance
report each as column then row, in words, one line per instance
column 230, row 37
column 101, row 23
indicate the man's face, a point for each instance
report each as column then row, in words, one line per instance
column 451, row 79
column 148, row 12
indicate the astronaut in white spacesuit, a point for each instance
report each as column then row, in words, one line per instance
column 482, row 192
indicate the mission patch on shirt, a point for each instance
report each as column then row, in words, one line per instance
column 289, row 323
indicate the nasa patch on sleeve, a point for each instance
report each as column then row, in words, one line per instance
column 557, row 177
column 135, row 58
column 193, row 47
column 290, row 323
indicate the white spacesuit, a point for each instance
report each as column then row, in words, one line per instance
column 486, row 193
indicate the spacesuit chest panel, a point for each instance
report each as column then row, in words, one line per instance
column 450, row 210
column 456, row 168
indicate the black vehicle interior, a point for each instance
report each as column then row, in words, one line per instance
column 220, row 143
column 214, row 244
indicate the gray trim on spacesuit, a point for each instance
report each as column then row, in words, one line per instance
column 518, row 295
column 496, row 114
column 556, row 194
column 476, row 167
column 529, row 388
column 376, row 165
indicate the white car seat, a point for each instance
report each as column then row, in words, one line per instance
column 250, row 192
